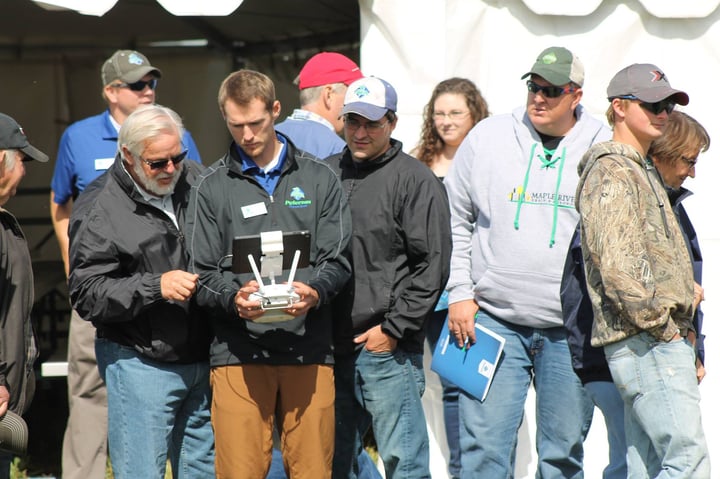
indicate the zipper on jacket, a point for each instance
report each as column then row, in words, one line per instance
column 272, row 208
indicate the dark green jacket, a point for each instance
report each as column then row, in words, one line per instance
column 308, row 197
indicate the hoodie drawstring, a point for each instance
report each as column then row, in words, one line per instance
column 545, row 164
column 661, row 204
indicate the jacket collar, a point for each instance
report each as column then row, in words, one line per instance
column 122, row 177
column 235, row 162
column 347, row 161
column 676, row 196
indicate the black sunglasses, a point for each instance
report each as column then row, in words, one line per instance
column 656, row 108
column 162, row 164
column 138, row 85
column 549, row 91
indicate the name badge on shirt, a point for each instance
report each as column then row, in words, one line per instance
column 255, row 209
column 104, row 163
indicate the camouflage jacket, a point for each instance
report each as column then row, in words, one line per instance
column 639, row 273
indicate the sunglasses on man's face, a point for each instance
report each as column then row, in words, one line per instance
column 551, row 91
column 656, row 108
column 138, row 85
column 162, row 164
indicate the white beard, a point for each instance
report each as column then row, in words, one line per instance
column 151, row 185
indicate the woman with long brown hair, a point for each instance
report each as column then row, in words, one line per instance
column 455, row 106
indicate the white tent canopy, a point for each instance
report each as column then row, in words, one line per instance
column 414, row 44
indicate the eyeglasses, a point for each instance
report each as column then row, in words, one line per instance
column 453, row 115
column 371, row 127
column 138, row 85
column 549, row 91
column 656, row 108
column 162, row 164
column 691, row 162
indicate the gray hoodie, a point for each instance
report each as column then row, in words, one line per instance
column 513, row 215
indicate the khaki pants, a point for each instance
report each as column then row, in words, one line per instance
column 84, row 454
column 245, row 401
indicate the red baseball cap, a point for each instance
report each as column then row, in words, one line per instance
column 326, row 68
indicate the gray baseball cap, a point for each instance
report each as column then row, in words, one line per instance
column 128, row 66
column 558, row 66
column 646, row 82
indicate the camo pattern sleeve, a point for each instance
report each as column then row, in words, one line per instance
column 638, row 270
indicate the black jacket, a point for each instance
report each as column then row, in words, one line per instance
column 308, row 196
column 588, row 361
column 120, row 245
column 693, row 245
column 401, row 247
column 18, row 351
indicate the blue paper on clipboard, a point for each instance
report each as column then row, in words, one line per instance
column 471, row 369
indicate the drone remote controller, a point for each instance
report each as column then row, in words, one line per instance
column 274, row 298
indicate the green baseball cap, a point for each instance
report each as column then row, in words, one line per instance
column 558, row 66
column 128, row 66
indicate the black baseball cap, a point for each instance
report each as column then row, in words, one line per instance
column 12, row 137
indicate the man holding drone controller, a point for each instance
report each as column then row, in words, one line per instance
column 280, row 371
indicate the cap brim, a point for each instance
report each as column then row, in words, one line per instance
column 681, row 98
column 550, row 77
column 13, row 434
column 136, row 75
column 34, row 154
column 654, row 95
column 371, row 112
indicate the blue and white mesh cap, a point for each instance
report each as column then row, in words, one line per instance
column 370, row 97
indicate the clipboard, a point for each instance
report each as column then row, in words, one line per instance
column 471, row 369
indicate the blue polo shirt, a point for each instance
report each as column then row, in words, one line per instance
column 267, row 179
column 312, row 133
column 88, row 148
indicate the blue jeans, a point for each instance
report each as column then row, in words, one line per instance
column 383, row 390
column 156, row 411
column 450, row 396
column 488, row 430
column 606, row 397
column 277, row 469
column 663, row 426
column 366, row 467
